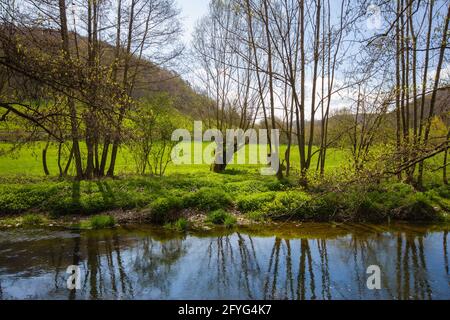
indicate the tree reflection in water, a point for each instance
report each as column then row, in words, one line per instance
column 149, row 264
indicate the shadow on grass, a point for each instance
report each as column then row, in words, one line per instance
column 106, row 191
column 234, row 172
column 76, row 194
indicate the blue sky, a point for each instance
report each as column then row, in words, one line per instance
column 192, row 10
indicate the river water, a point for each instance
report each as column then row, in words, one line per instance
column 286, row 261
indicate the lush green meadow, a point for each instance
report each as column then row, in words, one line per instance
column 27, row 160
column 241, row 190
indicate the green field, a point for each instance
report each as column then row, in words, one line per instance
column 25, row 189
column 28, row 161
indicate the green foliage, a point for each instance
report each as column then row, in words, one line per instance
column 102, row 222
column 152, row 125
column 32, row 220
column 166, row 196
column 181, row 224
column 257, row 216
column 286, row 203
column 16, row 198
column 161, row 207
column 246, row 186
column 208, row 199
column 253, row 202
column 230, row 221
column 217, row 217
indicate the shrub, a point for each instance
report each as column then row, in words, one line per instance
column 208, row 199
column 17, row 199
column 217, row 217
column 181, row 224
column 258, row 216
column 32, row 220
column 254, row 202
column 229, row 221
column 279, row 185
column 163, row 206
column 288, row 203
column 248, row 186
column 327, row 205
column 418, row 207
column 102, row 222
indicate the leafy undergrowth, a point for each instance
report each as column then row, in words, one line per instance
column 221, row 217
column 258, row 198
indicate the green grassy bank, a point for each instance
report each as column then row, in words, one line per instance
column 257, row 198
column 193, row 189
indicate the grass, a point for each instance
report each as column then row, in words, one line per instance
column 221, row 217
column 195, row 187
column 32, row 220
column 27, row 159
column 98, row 222
column 27, row 220
column 181, row 225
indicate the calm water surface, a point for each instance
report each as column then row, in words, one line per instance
column 311, row 261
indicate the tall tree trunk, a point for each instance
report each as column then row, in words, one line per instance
column 314, row 84
column 115, row 66
column 69, row 162
column 59, row 159
column 435, row 91
column 274, row 149
column 44, row 159
column 444, row 169
column 126, row 86
column 398, row 89
column 301, row 136
column 70, row 101
column 414, row 79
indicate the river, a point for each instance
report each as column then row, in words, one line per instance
column 284, row 261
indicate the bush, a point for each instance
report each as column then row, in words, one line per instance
column 248, row 186
column 288, row 203
column 254, row 202
column 217, row 217
column 163, row 206
column 208, row 199
column 17, row 199
column 181, row 224
column 258, row 216
column 32, row 220
column 279, row 185
column 229, row 221
column 102, row 222
column 418, row 207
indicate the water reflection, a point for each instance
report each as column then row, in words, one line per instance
column 317, row 261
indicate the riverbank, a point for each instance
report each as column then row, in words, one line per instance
column 229, row 199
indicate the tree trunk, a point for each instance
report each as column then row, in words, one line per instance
column 444, row 169
column 44, row 159
column 59, row 159
column 301, row 107
column 70, row 102
column 69, row 162
column 314, row 84
column 435, row 90
column 126, row 86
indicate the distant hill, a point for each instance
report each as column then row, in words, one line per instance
column 150, row 78
column 441, row 109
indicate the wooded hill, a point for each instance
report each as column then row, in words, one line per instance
column 149, row 77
